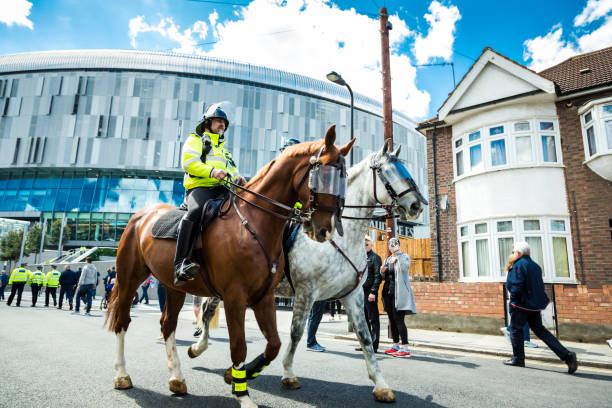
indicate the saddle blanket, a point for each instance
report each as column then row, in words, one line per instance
column 167, row 225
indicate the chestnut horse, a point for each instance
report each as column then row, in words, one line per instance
column 237, row 260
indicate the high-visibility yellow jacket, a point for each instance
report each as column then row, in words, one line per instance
column 19, row 275
column 52, row 279
column 197, row 172
column 37, row 278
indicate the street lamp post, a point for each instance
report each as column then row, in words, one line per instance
column 337, row 79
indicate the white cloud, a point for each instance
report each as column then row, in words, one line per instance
column 593, row 11
column 168, row 29
column 441, row 35
column 312, row 38
column 16, row 12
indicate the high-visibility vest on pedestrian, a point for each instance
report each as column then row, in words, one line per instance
column 37, row 278
column 52, row 279
column 19, row 275
column 198, row 173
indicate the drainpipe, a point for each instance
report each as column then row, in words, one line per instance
column 436, row 208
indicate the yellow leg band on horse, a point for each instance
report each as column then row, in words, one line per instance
column 259, row 372
column 238, row 373
column 240, row 386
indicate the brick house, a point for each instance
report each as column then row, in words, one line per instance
column 519, row 155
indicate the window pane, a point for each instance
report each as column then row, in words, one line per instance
column 547, row 126
column 549, row 151
column 481, row 228
column 607, row 108
column 521, row 126
column 476, row 157
column 531, row 225
column 535, row 244
column 464, row 231
column 505, row 246
column 591, row 141
column 498, row 152
column 523, row 149
column 474, row 136
column 560, row 254
column 459, row 159
column 588, row 117
column 557, row 225
column 498, row 130
column 458, row 143
column 608, row 127
column 504, row 226
column 465, row 255
column 482, row 257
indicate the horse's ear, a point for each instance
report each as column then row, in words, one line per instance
column 386, row 147
column 330, row 137
column 397, row 151
column 344, row 150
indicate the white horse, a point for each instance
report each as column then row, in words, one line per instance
column 319, row 271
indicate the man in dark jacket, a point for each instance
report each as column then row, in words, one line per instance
column 527, row 300
column 67, row 282
column 370, row 293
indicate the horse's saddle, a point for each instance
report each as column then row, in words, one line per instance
column 167, row 225
column 289, row 235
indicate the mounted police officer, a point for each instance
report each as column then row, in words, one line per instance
column 206, row 163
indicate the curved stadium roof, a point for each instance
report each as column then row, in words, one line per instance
column 217, row 68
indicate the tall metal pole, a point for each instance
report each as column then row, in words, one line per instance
column 352, row 123
column 42, row 238
column 61, row 237
column 387, row 108
column 23, row 242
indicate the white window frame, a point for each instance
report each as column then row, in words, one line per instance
column 509, row 135
column 518, row 233
column 598, row 120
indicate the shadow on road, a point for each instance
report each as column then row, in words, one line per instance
column 444, row 361
column 579, row 374
column 149, row 398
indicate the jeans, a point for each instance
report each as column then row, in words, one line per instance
column 526, row 334
column 161, row 295
column 2, row 292
column 65, row 292
column 518, row 318
column 334, row 304
column 84, row 291
column 145, row 294
column 372, row 318
column 314, row 318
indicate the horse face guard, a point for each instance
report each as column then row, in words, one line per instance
column 394, row 173
column 327, row 179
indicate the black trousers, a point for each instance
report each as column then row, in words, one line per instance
column 35, row 289
column 16, row 288
column 518, row 318
column 334, row 304
column 372, row 318
column 396, row 320
column 52, row 292
column 64, row 291
column 197, row 197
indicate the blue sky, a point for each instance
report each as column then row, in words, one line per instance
column 312, row 37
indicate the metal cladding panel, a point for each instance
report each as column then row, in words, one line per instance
column 188, row 64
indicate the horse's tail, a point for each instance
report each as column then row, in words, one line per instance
column 126, row 257
column 214, row 322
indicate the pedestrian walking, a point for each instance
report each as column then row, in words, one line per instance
column 4, row 278
column 86, row 283
column 527, row 300
column 18, row 280
column 334, row 304
column 67, row 281
column 370, row 294
column 145, row 291
column 37, row 278
column 111, row 273
column 314, row 318
column 398, row 298
column 51, row 283
column 197, row 305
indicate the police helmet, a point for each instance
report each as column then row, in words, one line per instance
column 288, row 143
column 213, row 111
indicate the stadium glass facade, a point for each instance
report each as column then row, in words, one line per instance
column 93, row 136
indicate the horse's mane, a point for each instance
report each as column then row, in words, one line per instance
column 297, row 150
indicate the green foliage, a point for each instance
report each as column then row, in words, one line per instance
column 10, row 246
column 95, row 256
column 54, row 232
column 34, row 238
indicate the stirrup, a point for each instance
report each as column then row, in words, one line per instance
column 185, row 272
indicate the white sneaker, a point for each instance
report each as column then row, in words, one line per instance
column 331, row 318
column 530, row 344
column 505, row 332
column 609, row 342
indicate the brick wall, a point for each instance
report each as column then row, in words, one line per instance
column 460, row 299
column 589, row 198
column 448, row 218
column 581, row 304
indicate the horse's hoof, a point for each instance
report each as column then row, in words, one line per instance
column 190, row 353
column 291, row 383
column 178, row 387
column 228, row 376
column 123, row 383
column 384, row 395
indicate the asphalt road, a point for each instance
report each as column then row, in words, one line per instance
column 51, row 358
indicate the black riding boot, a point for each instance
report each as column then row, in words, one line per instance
column 184, row 269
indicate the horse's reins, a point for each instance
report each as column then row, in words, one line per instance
column 387, row 207
column 357, row 271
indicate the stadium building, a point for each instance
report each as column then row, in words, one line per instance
column 92, row 136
